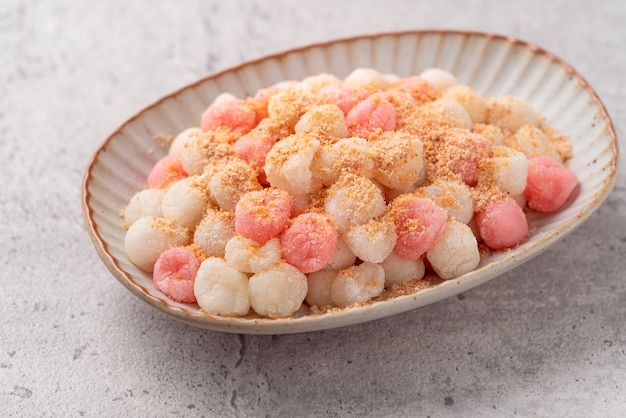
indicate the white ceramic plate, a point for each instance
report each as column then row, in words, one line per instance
column 494, row 65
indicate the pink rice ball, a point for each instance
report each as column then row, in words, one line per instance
column 310, row 241
column 420, row 89
column 166, row 171
column 420, row 222
column 175, row 273
column 372, row 113
column 262, row 215
column 549, row 184
column 253, row 148
column 234, row 115
column 502, row 224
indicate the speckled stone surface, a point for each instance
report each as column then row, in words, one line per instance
column 547, row 339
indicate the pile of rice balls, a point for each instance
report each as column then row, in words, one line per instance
column 327, row 193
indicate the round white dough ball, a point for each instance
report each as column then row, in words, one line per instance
column 342, row 258
column 474, row 103
column 510, row 170
column 353, row 200
column 399, row 159
column 320, row 283
column 224, row 98
column 249, row 256
column 351, row 154
column 399, row 270
column 315, row 83
column 144, row 203
column 231, row 182
column 533, row 142
column 357, row 284
column 455, row 253
column 451, row 112
column 220, row 289
column 366, row 78
column 178, row 144
column 279, row 291
column 214, row 231
column 439, row 78
column 201, row 152
column 511, row 113
column 453, row 197
column 149, row 236
column 328, row 117
column 185, row 202
column 193, row 157
column 288, row 164
column 372, row 241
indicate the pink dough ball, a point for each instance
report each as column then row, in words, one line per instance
column 234, row 115
column 502, row 224
column 262, row 215
column 420, row 222
column 549, row 184
column 310, row 241
column 260, row 101
column 419, row 88
column 339, row 95
column 175, row 273
column 470, row 150
column 374, row 112
column 254, row 149
column 167, row 170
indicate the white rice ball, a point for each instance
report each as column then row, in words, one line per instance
column 224, row 98
column 149, row 236
column 392, row 78
column 490, row 132
column 178, row 144
column 453, row 197
column 351, row 154
column 315, row 83
column 399, row 270
column 144, row 203
column 342, row 258
column 357, row 284
column 279, row 291
column 366, row 78
column 451, row 112
column 533, row 142
column 372, row 241
column 220, row 289
column 288, row 164
column 455, row 253
column 319, row 283
column 474, row 103
column 249, row 256
column 510, row 169
column 399, row 159
column 289, row 104
column 193, row 157
column 511, row 113
column 213, row 232
column 353, row 200
column 231, row 182
column 185, row 202
column 328, row 117
column 198, row 153
column 439, row 78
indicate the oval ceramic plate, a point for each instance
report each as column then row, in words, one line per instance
column 494, row 65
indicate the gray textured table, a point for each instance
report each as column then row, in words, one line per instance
column 546, row 339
